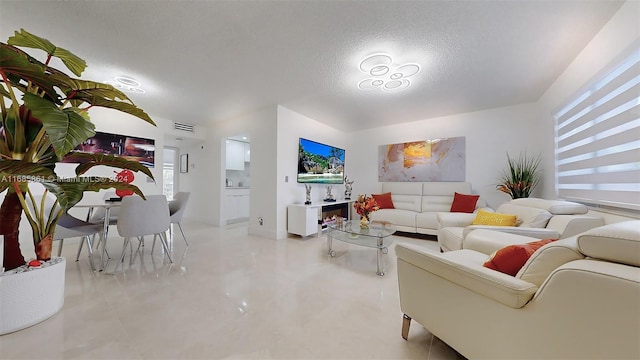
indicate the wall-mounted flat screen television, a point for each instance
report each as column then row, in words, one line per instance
column 320, row 163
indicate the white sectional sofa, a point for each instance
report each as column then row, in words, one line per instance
column 417, row 204
column 575, row 298
column 540, row 218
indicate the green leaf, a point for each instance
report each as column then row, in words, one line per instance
column 71, row 190
column 66, row 128
column 87, row 161
column 88, row 90
column 124, row 107
column 71, row 61
column 21, row 171
column 25, row 39
column 17, row 65
column 101, row 183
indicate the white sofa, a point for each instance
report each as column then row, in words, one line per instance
column 539, row 218
column 574, row 298
column 417, row 204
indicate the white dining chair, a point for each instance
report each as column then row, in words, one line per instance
column 97, row 214
column 177, row 208
column 139, row 217
column 69, row 227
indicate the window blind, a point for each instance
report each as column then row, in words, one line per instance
column 598, row 140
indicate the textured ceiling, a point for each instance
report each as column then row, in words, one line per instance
column 203, row 61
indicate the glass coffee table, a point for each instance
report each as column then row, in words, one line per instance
column 378, row 236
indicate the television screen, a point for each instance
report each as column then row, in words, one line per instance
column 320, row 163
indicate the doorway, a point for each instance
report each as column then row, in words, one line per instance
column 169, row 172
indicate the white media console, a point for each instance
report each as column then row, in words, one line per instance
column 305, row 220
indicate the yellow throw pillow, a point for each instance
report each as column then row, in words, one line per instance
column 489, row 218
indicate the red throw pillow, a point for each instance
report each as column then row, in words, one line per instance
column 511, row 259
column 464, row 203
column 384, row 200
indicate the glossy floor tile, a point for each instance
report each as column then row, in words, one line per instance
column 230, row 295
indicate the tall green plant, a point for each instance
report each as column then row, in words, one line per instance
column 44, row 117
column 521, row 176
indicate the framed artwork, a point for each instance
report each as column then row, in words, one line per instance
column 427, row 160
column 184, row 163
column 129, row 147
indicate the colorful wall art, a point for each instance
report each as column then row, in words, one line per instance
column 429, row 160
column 129, row 147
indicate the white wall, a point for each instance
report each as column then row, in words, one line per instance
column 112, row 121
column 206, row 182
column 490, row 135
column 291, row 127
column 617, row 38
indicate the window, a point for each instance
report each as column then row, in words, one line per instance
column 169, row 172
column 598, row 140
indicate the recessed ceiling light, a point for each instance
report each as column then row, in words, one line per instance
column 386, row 75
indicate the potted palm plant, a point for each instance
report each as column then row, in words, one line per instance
column 44, row 117
column 521, row 176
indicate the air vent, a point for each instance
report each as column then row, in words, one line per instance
column 184, row 127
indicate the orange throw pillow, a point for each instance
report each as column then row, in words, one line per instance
column 464, row 203
column 384, row 200
column 511, row 259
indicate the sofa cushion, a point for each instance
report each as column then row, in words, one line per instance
column 405, row 218
column 427, row 220
column 437, row 203
column 491, row 218
column 548, row 258
column 618, row 242
column 384, row 200
column 464, row 203
column 510, row 259
column 555, row 207
column 402, row 188
column 445, row 188
column 530, row 216
column 407, row 202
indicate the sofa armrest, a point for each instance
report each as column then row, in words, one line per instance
column 570, row 225
column 464, row 268
column 536, row 233
column 488, row 241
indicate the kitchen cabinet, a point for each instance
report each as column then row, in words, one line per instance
column 236, row 205
column 247, row 152
column 235, row 155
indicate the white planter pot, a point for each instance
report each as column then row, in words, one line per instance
column 31, row 297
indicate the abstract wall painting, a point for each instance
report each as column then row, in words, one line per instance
column 129, row 147
column 429, row 160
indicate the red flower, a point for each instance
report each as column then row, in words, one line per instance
column 365, row 205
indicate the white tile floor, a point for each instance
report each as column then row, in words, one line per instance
column 231, row 296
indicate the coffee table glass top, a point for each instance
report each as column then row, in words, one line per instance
column 351, row 232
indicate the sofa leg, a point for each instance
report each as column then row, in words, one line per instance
column 406, row 322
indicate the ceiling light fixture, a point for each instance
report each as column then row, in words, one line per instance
column 126, row 84
column 385, row 74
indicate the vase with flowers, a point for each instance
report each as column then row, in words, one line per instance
column 364, row 206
